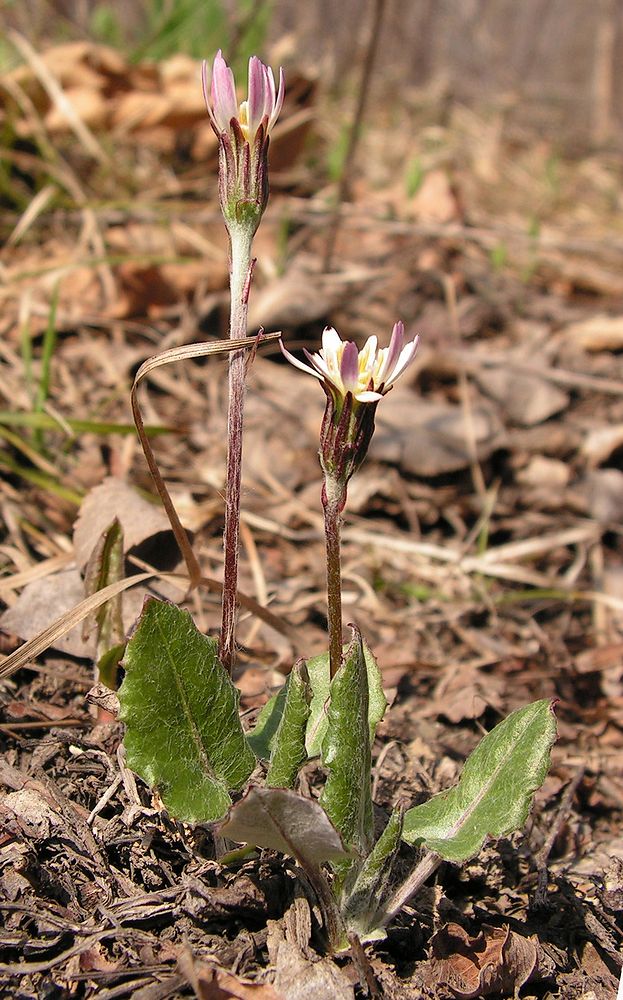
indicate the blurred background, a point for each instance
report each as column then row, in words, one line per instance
column 553, row 64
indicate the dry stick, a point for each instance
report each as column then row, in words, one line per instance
column 355, row 129
column 540, row 858
column 167, row 357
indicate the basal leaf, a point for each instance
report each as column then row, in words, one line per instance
column 288, row 745
column 318, row 669
column 261, row 737
column 284, row 821
column 183, row 731
column 363, row 909
column 347, row 795
column 495, row 790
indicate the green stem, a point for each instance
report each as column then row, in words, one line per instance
column 333, row 501
column 241, row 267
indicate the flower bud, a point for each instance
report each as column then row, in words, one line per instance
column 243, row 134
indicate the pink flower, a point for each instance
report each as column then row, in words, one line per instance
column 263, row 103
column 243, row 136
column 368, row 374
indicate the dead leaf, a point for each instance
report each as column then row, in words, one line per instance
column 435, row 201
column 428, row 438
column 299, row 973
column 112, row 499
column 600, row 443
column 525, row 399
column 599, row 333
column 497, row 960
column 41, row 603
column 211, row 983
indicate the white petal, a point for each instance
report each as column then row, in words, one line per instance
column 299, row 364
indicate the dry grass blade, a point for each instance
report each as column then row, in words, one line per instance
column 62, row 625
column 36, row 572
column 36, row 207
column 59, row 98
column 167, row 358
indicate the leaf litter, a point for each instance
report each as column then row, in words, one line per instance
column 484, row 548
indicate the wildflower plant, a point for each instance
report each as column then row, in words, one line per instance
column 180, row 707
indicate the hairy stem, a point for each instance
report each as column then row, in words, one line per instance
column 241, row 266
column 333, row 500
column 420, row 874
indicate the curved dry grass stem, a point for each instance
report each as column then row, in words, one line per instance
column 167, row 358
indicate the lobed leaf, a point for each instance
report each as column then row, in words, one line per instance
column 495, row 790
column 183, row 731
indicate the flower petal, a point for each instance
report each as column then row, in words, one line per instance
column 393, row 352
column 349, row 367
column 368, row 396
column 257, row 95
column 299, row 364
column 406, row 357
column 278, row 101
column 223, row 93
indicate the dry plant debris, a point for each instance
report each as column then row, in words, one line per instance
column 483, row 539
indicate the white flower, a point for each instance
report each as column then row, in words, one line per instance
column 367, row 374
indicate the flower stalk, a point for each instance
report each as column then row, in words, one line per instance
column 354, row 382
column 241, row 269
column 243, row 136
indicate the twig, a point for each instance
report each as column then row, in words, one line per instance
column 355, row 129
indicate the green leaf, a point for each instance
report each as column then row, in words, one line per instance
column 180, row 708
column 261, row 737
column 319, row 676
column 43, row 421
column 284, row 821
column 495, row 790
column 363, row 908
column 347, row 794
column 288, row 745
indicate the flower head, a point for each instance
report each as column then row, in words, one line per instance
column 263, row 103
column 368, row 374
column 243, row 133
column 354, row 381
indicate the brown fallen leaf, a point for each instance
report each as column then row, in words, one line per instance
column 526, row 399
column 599, row 333
column 114, row 498
column 211, row 983
column 428, row 438
column 41, row 602
column 497, row 960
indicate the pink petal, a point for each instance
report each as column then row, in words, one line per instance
column 349, row 366
column 406, row 357
column 257, row 94
column 224, row 106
